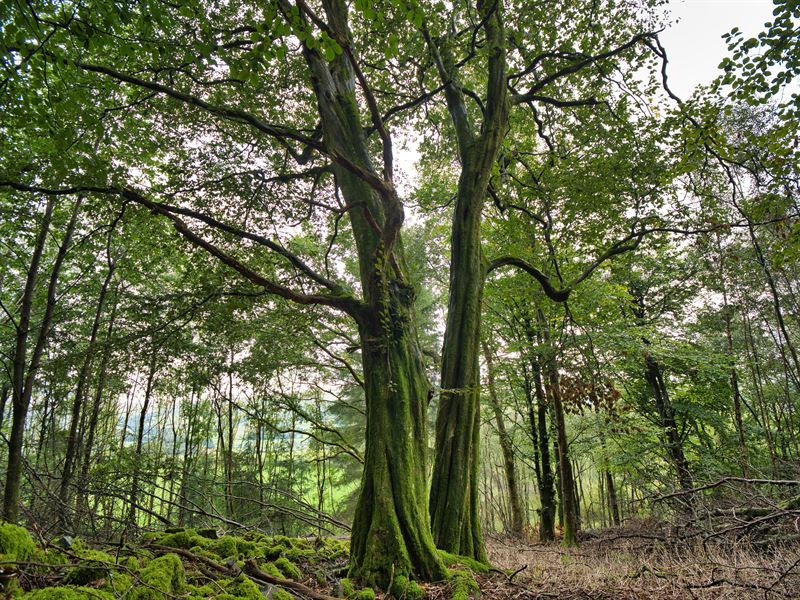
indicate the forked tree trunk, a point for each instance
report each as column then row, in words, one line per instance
column 391, row 533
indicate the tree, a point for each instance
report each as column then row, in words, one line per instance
column 187, row 119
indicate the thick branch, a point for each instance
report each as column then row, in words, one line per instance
column 342, row 302
column 578, row 66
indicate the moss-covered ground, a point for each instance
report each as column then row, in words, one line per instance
column 190, row 564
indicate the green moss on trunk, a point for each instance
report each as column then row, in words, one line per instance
column 391, row 533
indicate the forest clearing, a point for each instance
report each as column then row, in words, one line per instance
column 399, row 299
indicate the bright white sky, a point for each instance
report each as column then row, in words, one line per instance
column 694, row 43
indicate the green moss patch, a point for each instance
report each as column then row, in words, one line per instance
column 94, row 565
column 455, row 561
column 160, row 578
column 281, row 594
column 462, row 585
column 403, row 588
column 68, row 593
column 288, row 568
column 15, row 543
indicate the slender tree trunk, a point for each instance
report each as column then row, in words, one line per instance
column 737, row 396
column 776, row 303
column 517, row 516
column 566, row 479
column 19, row 405
column 77, row 404
column 669, row 425
column 4, row 393
column 734, row 377
column 611, row 491
column 23, row 381
column 137, row 457
column 97, row 403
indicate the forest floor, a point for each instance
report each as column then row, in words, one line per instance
column 642, row 560
column 635, row 562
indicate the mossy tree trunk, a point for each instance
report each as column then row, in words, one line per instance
column 454, row 488
column 391, row 533
column 547, row 489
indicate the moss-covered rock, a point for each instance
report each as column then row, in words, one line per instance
column 233, row 546
column 365, row 594
column 15, row 543
column 242, row 587
column 463, row 585
column 210, row 533
column 403, row 588
column 271, row 569
column 183, row 539
column 348, row 589
column 68, row 593
column 280, row 594
column 332, row 549
column 288, row 568
column 50, row 556
column 118, row 583
column 93, row 565
column 160, row 578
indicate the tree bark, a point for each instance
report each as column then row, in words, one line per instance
column 517, row 515
column 454, row 487
column 669, row 425
column 77, row 404
column 391, row 532
column 565, row 476
column 547, row 490
column 23, row 381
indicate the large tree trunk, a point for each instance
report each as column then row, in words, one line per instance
column 454, row 488
column 391, row 532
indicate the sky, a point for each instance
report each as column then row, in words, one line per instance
column 694, row 43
